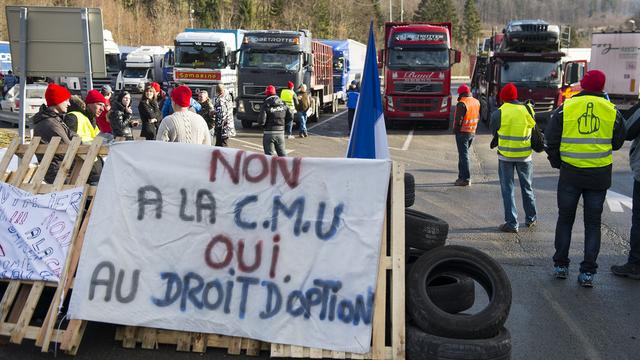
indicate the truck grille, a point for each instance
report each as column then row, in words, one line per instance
column 418, row 104
column 417, row 88
column 544, row 105
column 534, row 27
column 253, row 90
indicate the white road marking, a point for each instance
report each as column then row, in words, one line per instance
column 251, row 145
column 324, row 121
column 615, row 201
column 407, row 142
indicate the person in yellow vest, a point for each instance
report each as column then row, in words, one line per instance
column 581, row 135
column 465, row 122
column 512, row 124
column 289, row 97
column 84, row 122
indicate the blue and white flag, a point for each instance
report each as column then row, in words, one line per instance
column 368, row 135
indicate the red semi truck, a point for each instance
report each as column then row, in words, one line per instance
column 416, row 62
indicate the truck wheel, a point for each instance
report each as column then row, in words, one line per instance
column 484, row 111
column 246, row 124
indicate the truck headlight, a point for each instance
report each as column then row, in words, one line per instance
column 240, row 106
column 390, row 102
column 444, row 104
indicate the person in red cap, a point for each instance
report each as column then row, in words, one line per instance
column 274, row 115
column 465, row 123
column 183, row 125
column 48, row 123
column 581, row 135
column 102, row 121
column 512, row 125
column 289, row 97
column 84, row 122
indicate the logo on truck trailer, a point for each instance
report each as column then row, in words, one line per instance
column 191, row 75
column 410, row 36
column 271, row 39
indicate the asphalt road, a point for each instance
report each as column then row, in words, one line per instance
column 550, row 319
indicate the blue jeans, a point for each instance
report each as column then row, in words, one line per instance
column 525, row 175
column 464, row 140
column 302, row 121
column 273, row 143
column 593, row 201
column 634, row 238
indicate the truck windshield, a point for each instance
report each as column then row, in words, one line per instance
column 419, row 58
column 270, row 60
column 196, row 56
column 536, row 72
column 112, row 62
column 135, row 73
column 338, row 64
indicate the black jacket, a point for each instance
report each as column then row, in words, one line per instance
column 120, row 121
column 48, row 124
column 586, row 178
column 149, row 109
column 274, row 114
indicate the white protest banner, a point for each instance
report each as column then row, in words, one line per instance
column 36, row 232
column 218, row 240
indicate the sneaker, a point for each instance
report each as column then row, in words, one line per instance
column 585, row 279
column 461, row 182
column 306, row 135
column 532, row 223
column 508, row 229
column 290, row 136
column 561, row 272
column 627, row 270
column 302, row 135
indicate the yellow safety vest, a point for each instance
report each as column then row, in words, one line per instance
column 86, row 131
column 287, row 95
column 587, row 131
column 514, row 135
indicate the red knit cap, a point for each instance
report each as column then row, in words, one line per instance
column 290, row 85
column 56, row 94
column 156, row 87
column 593, row 81
column 94, row 96
column 509, row 93
column 181, row 96
column 270, row 90
column 463, row 89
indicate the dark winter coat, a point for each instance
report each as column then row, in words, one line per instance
column 149, row 109
column 274, row 113
column 206, row 111
column 120, row 121
column 48, row 124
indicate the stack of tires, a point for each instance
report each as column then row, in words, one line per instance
column 441, row 287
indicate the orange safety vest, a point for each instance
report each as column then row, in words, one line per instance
column 471, row 117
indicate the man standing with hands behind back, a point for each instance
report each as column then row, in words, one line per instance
column 465, row 123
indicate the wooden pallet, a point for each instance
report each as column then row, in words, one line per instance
column 21, row 299
column 388, row 340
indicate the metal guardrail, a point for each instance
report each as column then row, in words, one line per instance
column 9, row 117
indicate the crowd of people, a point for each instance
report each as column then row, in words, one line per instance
column 579, row 140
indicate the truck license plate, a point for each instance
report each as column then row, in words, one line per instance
column 415, row 114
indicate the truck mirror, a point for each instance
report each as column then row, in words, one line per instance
column 380, row 58
column 308, row 60
column 454, row 57
column 231, row 60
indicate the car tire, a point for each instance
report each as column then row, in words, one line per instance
column 451, row 291
column 409, row 190
column 246, row 124
column 474, row 264
column 421, row 345
column 424, row 231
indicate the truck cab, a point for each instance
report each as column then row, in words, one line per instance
column 201, row 59
column 348, row 64
column 143, row 66
column 417, row 61
column 270, row 57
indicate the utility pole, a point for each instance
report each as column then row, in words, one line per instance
column 401, row 10
column 390, row 11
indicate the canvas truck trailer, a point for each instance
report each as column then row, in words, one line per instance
column 348, row 64
column 274, row 57
column 416, row 61
column 617, row 54
column 201, row 59
column 143, row 66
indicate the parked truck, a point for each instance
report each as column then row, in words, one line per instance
column 114, row 67
column 348, row 64
column 417, row 60
column 143, row 65
column 529, row 56
column 617, row 54
column 201, row 59
column 274, row 57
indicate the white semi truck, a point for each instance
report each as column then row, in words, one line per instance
column 143, row 65
column 617, row 54
column 201, row 59
column 113, row 64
